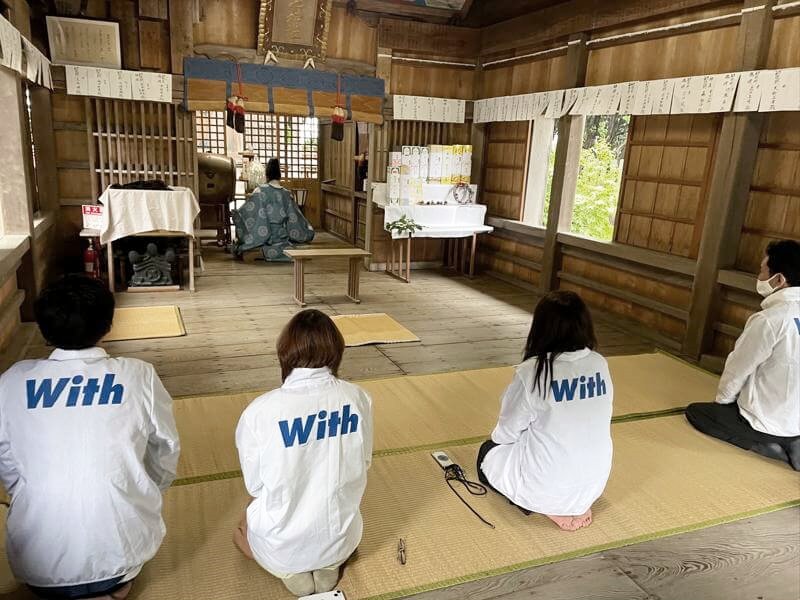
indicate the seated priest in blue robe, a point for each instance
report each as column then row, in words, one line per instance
column 271, row 220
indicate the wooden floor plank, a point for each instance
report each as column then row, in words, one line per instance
column 752, row 559
column 593, row 577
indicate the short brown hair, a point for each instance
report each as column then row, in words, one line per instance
column 309, row 341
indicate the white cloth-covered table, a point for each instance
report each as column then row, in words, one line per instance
column 130, row 212
column 451, row 222
column 167, row 213
column 441, row 220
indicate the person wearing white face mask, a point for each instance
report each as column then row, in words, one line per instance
column 758, row 401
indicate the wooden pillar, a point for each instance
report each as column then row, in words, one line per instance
column 478, row 140
column 181, row 35
column 565, row 169
column 372, row 159
column 729, row 189
column 126, row 14
column 383, row 68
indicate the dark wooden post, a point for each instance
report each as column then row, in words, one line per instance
column 570, row 130
column 730, row 183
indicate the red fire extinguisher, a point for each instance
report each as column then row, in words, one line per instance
column 91, row 261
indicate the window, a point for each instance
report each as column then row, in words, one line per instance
column 32, row 155
column 261, row 135
column 599, row 176
column 292, row 140
column 299, row 137
column 210, row 131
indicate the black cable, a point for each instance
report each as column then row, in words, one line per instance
column 456, row 473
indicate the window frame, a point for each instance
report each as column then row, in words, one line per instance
column 210, row 129
column 30, row 150
column 538, row 176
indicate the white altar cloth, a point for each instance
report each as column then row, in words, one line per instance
column 441, row 220
column 129, row 212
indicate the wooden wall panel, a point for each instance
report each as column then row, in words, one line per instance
column 438, row 81
column 338, row 215
column 312, row 210
column 661, row 323
column 71, row 145
column 784, row 49
column 735, row 308
column 235, row 24
column 154, row 50
column 653, row 287
column 510, row 258
column 338, row 157
column 228, row 23
column 153, row 9
column 47, row 255
column 697, row 53
column 665, row 182
column 504, row 169
column 10, row 315
column 428, row 39
column 523, row 77
column 773, row 210
column 418, row 133
column 351, row 37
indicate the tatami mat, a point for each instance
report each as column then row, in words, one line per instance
column 379, row 328
column 667, row 479
column 139, row 323
column 431, row 410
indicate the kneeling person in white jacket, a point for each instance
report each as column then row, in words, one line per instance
column 757, row 406
column 305, row 449
column 87, row 445
column 550, row 452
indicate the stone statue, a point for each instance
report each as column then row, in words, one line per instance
column 151, row 268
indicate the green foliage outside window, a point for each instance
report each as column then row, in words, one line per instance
column 599, row 176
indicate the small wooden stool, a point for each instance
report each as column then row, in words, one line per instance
column 356, row 256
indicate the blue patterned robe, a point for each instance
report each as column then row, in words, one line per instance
column 270, row 219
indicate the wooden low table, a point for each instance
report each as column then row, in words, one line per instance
column 356, row 255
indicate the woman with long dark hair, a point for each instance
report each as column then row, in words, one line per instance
column 550, row 452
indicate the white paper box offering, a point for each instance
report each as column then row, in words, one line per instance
column 424, row 158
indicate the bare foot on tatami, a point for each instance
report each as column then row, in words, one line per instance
column 572, row 523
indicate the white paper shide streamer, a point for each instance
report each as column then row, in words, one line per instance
column 425, row 108
column 12, row 47
column 118, row 84
column 751, row 91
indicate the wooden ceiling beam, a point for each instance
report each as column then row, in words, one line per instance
column 563, row 20
column 462, row 14
column 403, row 9
column 424, row 39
